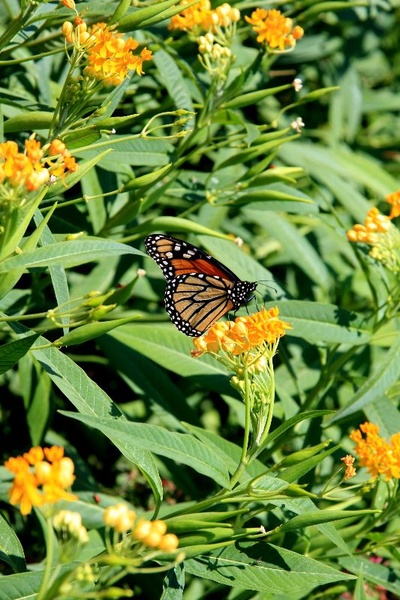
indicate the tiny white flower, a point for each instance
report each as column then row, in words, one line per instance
column 297, row 84
column 297, row 124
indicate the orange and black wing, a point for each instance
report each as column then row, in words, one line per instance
column 176, row 257
column 200, row 290
column 195, row 301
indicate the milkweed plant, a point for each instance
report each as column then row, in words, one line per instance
column 261, row 458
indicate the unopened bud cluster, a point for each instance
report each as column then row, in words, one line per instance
column 152, row 534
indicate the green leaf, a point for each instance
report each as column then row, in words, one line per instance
column 12, row 352
column 11, row 550
column 121, row 150
column 264, row 567
column 67, row 254
column 318, row 322
column 386, row 373
column 387, row 577
column 180, row 447
column 174, row 82
column 298, row 249
column 383, row 413
column 57, row 272
column 88, row 398
column 342, row 162
column 168, row 347
column 174, row 583
column 21, row 586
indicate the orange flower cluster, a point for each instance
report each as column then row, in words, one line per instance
column 394, row 200
column 110, row 57
column 200, row 17
column 375, row 453
column 29, row 169
column 380, row 233
column 41, row 476
column 151, row 533
column 243, row 335
column 274, row 29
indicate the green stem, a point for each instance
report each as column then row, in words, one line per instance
column 244, row 459
column 47, row 577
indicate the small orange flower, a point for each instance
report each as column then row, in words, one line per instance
column 274, row 29
column 350, row 470
column 245, row 334
column 375, row 453
column 32, row 472
column 394, row 200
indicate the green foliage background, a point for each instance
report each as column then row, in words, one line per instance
column 240, row 171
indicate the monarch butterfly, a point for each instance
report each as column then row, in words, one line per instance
column 200, row 289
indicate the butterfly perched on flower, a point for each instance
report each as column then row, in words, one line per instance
column 200, row 290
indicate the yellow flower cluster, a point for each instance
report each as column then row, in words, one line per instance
column 379, row 232
column 375, row 453
column 41, row 476
column 243, row 335
column 150, row 533
column 274, row 29
column 201, row 17
column 29, row 170
column 109, row 56
column 375, row 223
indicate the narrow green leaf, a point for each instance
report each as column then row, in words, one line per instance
column 67, row 254
column 386, row 373
column 298, row 248
column 57, row 272
column 174, row 82
column 387, row 577
column 385, row 414
column 168, row 347
column 11, row 550
column 88, row 398
column 180, row 447
column 11, row 353
column 174, row 583
column 264, row 567
column 318, row 322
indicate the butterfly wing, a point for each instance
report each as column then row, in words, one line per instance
column 195, row 301
column 200, row 290
column 176, row 257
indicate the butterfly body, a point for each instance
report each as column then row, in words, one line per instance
column 200, row 289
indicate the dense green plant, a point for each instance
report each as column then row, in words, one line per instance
column 219, row 125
